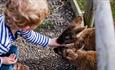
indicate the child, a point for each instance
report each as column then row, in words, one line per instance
column 19, row 18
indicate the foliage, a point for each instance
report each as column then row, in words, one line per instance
column 113, row 9
column 82, row 4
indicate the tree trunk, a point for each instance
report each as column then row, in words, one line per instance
column 105, row 36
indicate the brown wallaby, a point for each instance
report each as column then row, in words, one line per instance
column 79, row 45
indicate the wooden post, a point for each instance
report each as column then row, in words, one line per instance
column 105, row 35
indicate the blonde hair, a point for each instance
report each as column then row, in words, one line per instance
column 26, row 12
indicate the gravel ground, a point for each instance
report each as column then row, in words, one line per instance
column 37, row 57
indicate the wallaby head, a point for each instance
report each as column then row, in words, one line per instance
column 69, row 35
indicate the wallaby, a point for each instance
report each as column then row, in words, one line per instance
column 79, row 45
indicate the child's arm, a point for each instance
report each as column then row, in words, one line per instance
column 38, row 39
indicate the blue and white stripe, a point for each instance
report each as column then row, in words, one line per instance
column 6, row 37
column 35, row 38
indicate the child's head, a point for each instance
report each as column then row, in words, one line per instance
column 26, row 12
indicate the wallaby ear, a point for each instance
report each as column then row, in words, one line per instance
column 77, row 21
column 79, row 34
column 78, row 30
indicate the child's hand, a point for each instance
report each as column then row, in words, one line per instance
column 9, row 60
column 53, row 42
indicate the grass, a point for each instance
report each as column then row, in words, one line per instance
column 82, row 4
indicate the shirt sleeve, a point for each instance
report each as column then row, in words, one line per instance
column 35, row 38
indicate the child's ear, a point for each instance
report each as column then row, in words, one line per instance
column 77, row 21
column 82, row 30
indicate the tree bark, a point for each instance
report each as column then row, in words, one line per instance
column 105, row 35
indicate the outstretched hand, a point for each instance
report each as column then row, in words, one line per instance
column 9, row 60
column 53, row 42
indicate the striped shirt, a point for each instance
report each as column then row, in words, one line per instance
column 6, row 37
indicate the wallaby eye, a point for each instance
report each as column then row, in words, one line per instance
column 67, row 37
